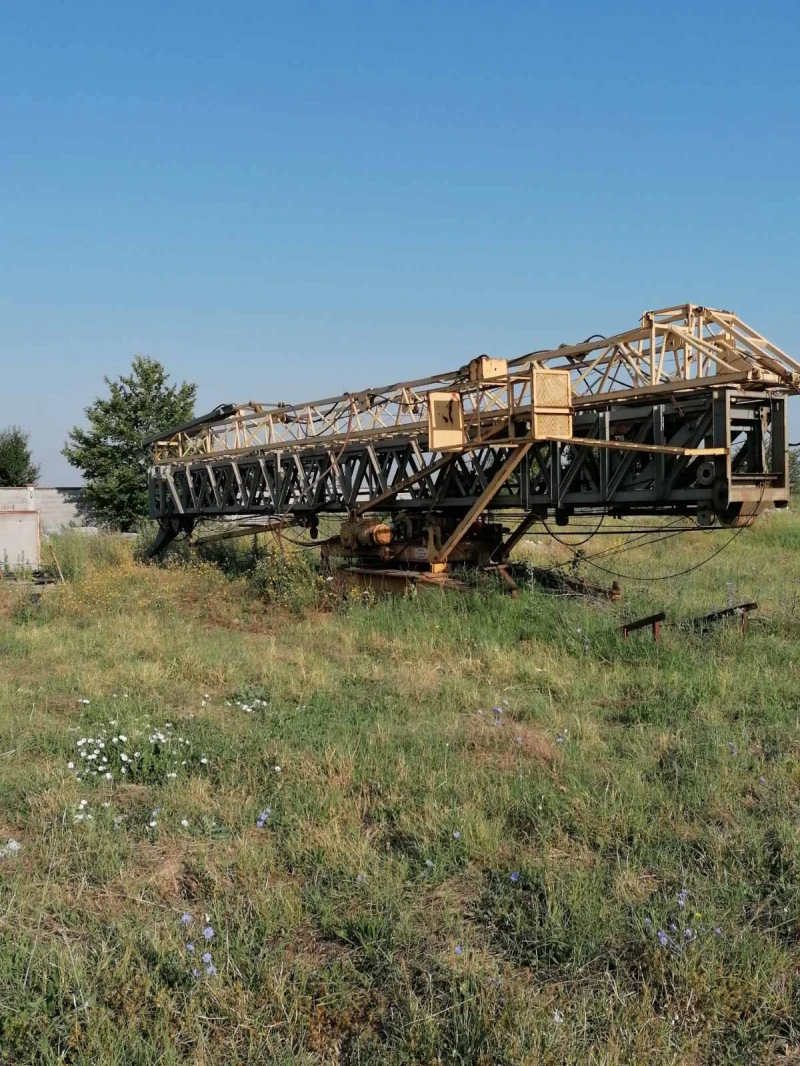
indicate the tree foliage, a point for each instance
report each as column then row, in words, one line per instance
column 16, row 462
column 111, row 453
column 794, row 469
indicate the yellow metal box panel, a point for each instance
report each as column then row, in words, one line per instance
column 485, row 369
column 445, row 421
column 551, row 406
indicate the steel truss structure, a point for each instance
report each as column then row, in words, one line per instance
column 685, row 414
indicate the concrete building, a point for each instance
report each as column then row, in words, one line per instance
column 27, row 512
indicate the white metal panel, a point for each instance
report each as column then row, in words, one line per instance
column 19, row 539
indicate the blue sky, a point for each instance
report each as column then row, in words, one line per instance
column 281, row 201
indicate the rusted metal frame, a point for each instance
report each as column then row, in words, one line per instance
column 359, row 473
column 303, row 480
column 472, row 468
column 255, row 486
column 662, row 354
column 404, row 484
column 681, row 332
column 571, row 351
column 513, row 540
column 225, row 480
column 455, row 479
column 659, row 461
column 483, row 501
column 212, row 481
column 644, row 449
column 377, row 471
column 417, row 428
column 627, row 460
column 325, row 484
column 590, row 468
column 652, row 622
column 732, row 324
column 576, row 468
column 279, row 483
column 268, row 480
column 346, row 472
column 191, row 489
column 174, row 492
column 694, row 436
column 388, row 460
column 582, row 458
column 237, row 475
column 317, row 474
column 541, row 454
column 739, row 610
column 605, row 357
column 667, row 388
column 779, row 440
column 472, row 476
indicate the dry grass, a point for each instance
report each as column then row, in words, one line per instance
column 428, row 886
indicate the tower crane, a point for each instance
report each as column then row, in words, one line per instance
column 685, row 414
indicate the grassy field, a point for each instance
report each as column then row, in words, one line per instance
column 458, row 829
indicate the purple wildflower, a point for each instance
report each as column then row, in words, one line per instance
column 688, row 934
column 733, row 748
column 762, row 780
column 190, row 946
column 514, row 878
column 456, row 834
column 517, row 740
column 717, row 931
column 186, row 918
column 195, row 972
column 262, row 818
column 211, row 970
column 673, row 927
column 682, row 897
column 647, row 922
column 206, row 958
column 497, row 710
column 208, row 932
column 663, row 939
column 559, row 739
column 458, row 950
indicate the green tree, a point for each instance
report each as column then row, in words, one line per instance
column 111, row 453
column 794, row 468
column 16, row 462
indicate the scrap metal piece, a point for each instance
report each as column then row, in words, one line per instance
column 652, row 621
column 740, row 611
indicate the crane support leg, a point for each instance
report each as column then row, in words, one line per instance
column 480, row 505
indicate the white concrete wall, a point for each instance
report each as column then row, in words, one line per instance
column 58, row 507
column 19, row 539
column 18, row 499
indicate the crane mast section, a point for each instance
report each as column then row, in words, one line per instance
column 491, row 402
